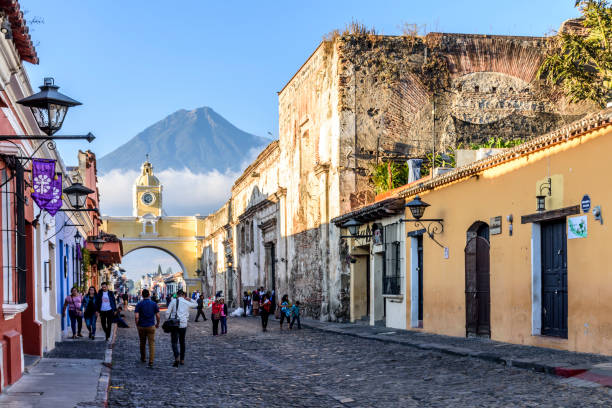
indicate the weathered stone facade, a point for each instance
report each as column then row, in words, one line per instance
column 355, row 100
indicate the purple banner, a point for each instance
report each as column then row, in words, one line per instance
column 78, row 251
column 43, row 173
column 56, row 196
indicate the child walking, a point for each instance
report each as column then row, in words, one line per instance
column 295, row 315
column 285, row 311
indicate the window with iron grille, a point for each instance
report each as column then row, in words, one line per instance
column 392, row 276
column 12, row 220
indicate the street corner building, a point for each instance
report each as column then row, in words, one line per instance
column 516, row 250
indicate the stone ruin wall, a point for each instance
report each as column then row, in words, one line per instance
column 406, row 95
column 310, row 167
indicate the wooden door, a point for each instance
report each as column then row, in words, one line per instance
column 477, row 287
column 554, row 279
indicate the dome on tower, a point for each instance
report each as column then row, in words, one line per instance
column 147, row 178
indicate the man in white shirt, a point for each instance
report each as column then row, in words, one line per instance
column 106, row 305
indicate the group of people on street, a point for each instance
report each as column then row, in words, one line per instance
column 260, row 302
column 90, row 306
column 107, row 307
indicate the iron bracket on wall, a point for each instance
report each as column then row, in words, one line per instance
column 434, row 226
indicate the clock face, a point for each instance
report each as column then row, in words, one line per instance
column 147, row 198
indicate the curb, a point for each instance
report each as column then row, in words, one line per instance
column 105, row 374
column 559, row 369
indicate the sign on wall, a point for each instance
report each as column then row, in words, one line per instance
column 585, row 203
column 577, row 227
column 495, row 225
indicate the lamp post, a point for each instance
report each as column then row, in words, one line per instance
column 353, row 227
column 98, row 242
column 77, row 196
column 417, row 209
column 541, row 198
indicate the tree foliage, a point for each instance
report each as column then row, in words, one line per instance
column 580, row 61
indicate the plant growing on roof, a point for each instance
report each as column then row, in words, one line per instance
column 580, row 60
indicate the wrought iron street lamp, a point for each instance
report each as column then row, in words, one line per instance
column 49, row 106
column 434, row 225
column 417, row 207
column 98, row 243
column 353, row 226
column 77, row 195
column 77, row 237
column 541, row 198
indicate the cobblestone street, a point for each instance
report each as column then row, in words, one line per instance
column 308, row 368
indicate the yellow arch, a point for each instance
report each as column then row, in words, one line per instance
column 165, row 250
column 177, row 236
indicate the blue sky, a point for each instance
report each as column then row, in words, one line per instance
column 133, row 62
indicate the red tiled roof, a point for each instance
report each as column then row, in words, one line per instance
column 21, row 38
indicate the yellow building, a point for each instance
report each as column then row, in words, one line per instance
column 149, row 228
column 522, row 254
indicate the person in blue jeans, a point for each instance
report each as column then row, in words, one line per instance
column 223, row 317
column 89, row 311
column 295, row 315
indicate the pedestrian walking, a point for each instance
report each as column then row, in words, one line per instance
column 75, row 312
column 180, row 306
column 295, row 315
column 216, row 316
column 245, row 303
column 200, row 309
column 168, row 299
column 255, row 298
column 285, row 313
column 105, row 308
column 223, row 316
column 272, row 297
column 125, row 300
column 146, row 317
column 88, row 306
column 266, row 306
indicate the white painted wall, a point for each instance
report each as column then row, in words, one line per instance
column 536, row 279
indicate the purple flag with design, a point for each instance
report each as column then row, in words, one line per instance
column 43, row 173
column 56, row 196
column 78, row 251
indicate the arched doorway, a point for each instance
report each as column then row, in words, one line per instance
column 477, row 281
column 153, row 268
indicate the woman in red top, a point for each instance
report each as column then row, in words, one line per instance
column 266, row 307
column 216, row 316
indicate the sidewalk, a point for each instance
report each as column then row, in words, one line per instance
column 73, row 374
column 580, row 369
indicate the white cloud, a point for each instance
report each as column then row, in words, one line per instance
column 185, row 192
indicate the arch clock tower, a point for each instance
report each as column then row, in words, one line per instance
column 147, row 193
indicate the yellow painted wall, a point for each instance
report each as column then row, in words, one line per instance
column 176, row 235
column 577, row 167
